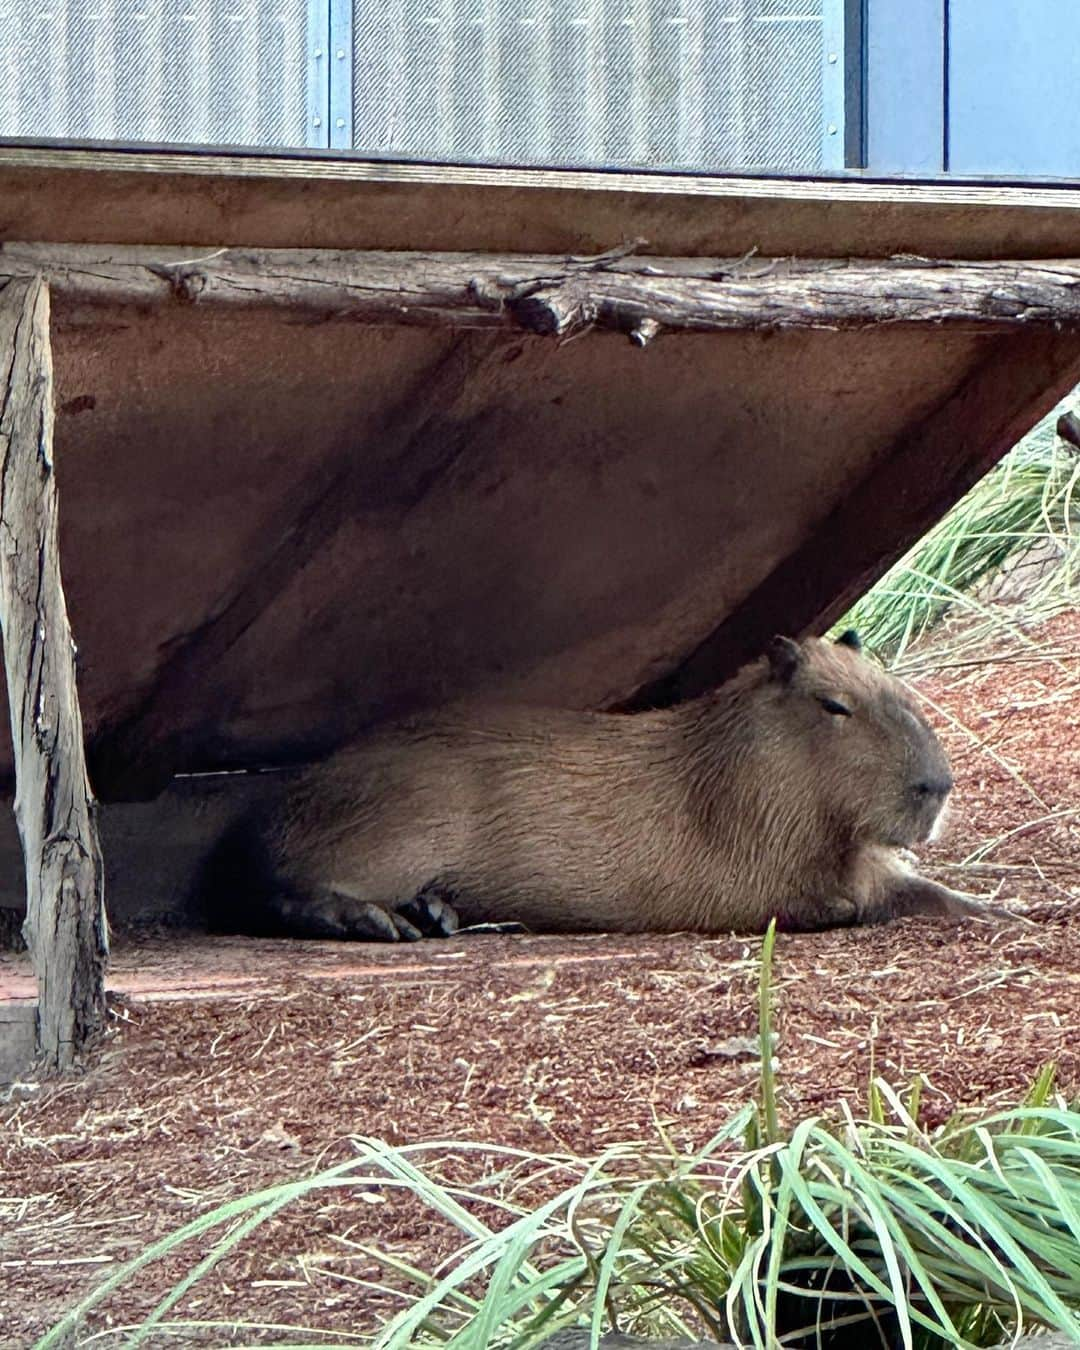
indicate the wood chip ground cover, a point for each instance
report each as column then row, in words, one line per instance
column 235, row 1064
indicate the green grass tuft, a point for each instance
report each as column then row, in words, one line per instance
column 1023, row 516
column 902, row 1237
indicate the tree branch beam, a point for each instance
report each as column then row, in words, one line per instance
column 65, row 926
column 640, row 297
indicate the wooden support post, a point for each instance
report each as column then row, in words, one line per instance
column 65, row 927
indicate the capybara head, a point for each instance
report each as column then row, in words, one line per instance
column 877, row 768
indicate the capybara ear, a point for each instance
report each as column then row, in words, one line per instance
column 850, row 638
column 785, row 658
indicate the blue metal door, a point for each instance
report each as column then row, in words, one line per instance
column 972, row 87
column 1012, row 103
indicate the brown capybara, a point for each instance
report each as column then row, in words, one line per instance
column 790, row 791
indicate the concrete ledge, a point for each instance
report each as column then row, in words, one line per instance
column 18, row 1018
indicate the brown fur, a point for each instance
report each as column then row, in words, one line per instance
column 711, row 816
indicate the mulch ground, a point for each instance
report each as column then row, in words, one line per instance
column 234, row 1064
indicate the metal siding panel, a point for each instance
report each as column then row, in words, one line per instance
column 317, row 112
column 9, row 67
column 785, row 123
column 659, row 83
column 1009, row 114
column 691, row 92
column 198, row 71
column 723, row 129
column 905, row 86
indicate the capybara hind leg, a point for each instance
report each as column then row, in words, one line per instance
column 329, row 914
column 811, row 916
column 916, row 895
column 431, row 912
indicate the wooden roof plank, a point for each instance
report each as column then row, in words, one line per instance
column 190, row 198
column 929, row 467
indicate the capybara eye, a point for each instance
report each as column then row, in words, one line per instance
column 837, row 709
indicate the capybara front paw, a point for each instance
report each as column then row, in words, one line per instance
column 430, row 912
column 362, row 921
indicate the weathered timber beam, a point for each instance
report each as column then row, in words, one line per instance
column 928, row 468
column 134, row 759
column 639, row 296
column 65, row 912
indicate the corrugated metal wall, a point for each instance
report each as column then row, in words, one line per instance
column 703, row 84
column 230, row 72
column 693, row 83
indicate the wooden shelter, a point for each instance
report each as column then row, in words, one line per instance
column 339, row 441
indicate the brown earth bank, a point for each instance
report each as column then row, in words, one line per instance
column 234, row 1064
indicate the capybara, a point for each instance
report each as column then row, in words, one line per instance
column 790, row 791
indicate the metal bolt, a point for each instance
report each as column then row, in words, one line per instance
column 340, row 53
column 340, row 122
column 833, row 58
column 316, row 121
column 832, row 128
column 318, row 53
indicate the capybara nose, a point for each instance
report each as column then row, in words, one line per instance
column 934, row 787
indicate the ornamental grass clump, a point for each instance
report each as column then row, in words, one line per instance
column 1007, row 554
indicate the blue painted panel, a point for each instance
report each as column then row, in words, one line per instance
column 905, row 85
column 318, row 68
column 341, row 74
column 842, row 79
column 1013, row 104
